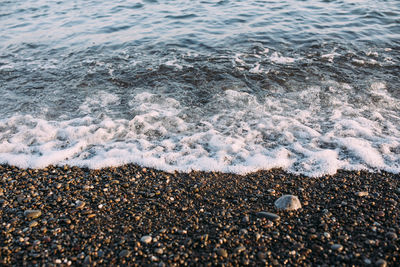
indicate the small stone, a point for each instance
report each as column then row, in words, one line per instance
column 246, row 219
column 337, row 247
column 240, row 249
column 243, row 232
column 380, row 213
column 391, row 235
column 288, row 202
column 79, row 204
column 146, row 239
column 159, row 251
column 361, row 194
column 367, row 261
column 268, row 215
column 327, row 235
column 222, row 252
column 33, row 224
column 32, row 214
column 317, row 248
column 124, row 253
column 381, row 263
column 87, row 260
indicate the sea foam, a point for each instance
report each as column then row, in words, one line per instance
column 296, row 131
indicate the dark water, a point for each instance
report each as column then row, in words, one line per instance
column 310, row 86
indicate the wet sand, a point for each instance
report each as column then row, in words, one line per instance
column 136, row 216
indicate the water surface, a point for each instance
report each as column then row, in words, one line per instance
column 233, row 86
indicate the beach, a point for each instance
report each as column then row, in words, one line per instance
column 169, row 133
column 134, row 216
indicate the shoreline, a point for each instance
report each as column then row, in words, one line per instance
column 100, row 217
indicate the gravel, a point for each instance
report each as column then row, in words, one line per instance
column 75, row 216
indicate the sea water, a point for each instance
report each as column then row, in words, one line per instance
column 231, row 86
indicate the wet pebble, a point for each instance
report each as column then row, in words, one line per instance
column 361, row 193
column 222, row 252
column 240, row 249
column 391, row 235
column 32, row 214
column 79, row 204
column 124, row 253
column 268, row 215
column 337, row 247
column 33, row 224
column 381, row 263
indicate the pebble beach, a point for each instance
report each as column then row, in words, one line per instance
column 134, row 216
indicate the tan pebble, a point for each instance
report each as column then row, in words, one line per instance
column 222, row 252
column 32, row 214
column 240, row 249
column 79, row 204
column 361, row 194
column 33, row 224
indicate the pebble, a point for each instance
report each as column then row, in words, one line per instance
column 261, row 255
column 391, row 235
column 146, row 239
column 288, row 202
column 124, row 253
column 222, row 252
column 367, row 261
column 337, row 247
column 32, row 214
column 240, row 249
column 381, row 263
column 159, row 251
column 79, row 204
column 327, row 235
column 243, row 232
column 87, row 260
column 361, row 193
column 269, row 215
column 246, row 219
column 33, row 224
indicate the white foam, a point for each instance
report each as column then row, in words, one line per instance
column 276, row 58
column 295, row 131
column 100, row 99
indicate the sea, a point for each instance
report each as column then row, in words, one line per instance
column 309, row 86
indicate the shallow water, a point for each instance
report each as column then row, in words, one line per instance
column 233, row 86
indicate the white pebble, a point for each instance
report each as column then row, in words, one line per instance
column 288, row 202
column 146, row 239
